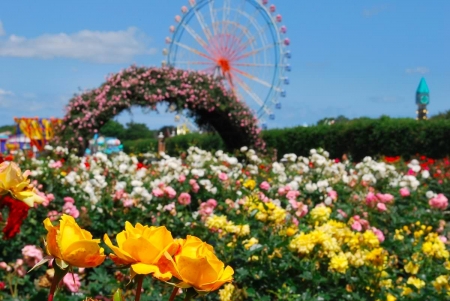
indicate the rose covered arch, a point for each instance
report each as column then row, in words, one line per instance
column 204, row 97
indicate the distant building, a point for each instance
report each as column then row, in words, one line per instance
column 422, row 99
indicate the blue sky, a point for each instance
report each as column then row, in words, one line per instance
column 355, row 58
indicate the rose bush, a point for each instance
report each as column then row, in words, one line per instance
column 303, row 228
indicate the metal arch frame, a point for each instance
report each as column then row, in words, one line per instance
column 279, row 57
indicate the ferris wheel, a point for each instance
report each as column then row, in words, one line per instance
column 242, row 42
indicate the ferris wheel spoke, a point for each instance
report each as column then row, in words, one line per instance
column 256, row 79
column 213, row 17
column 201, row 21
column 195, row 63
column 193, row 50
column 253, row 52
column 195, row 35
column 249, row 91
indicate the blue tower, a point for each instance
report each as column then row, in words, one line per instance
column 422, row 99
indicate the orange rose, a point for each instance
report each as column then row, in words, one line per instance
column 72, row 246
column 142, row 247
column 197, row 266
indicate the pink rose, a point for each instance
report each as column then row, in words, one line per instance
column 264, row 186
column 182, row 178
column 158, row 192
column 381, row 207
column 71, row 209
column 443, row 239
column 333, row 195
column 371, row 198
column 341, row 212
column 72, row 282
column 357, row 226
column 171, row 193
column 379, row 234
column 68, row 199
column 127, row 202
column 212, row 203
column 184, row 198
column 385, row 198
column 223, row 176
column 32, row 255
column 439, row 202
column 404, row 192
column 292, row 195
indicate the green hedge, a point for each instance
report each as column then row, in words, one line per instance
column 357, row 138
column 178, row 144
column 367, row 137
column 140, row 146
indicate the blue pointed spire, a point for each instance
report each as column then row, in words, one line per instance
column 423, row 87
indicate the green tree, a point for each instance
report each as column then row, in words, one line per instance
column 8, row 128
column 136, row 131
column 113, row 129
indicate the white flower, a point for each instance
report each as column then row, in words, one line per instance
column 425, row 174
column 430, row 194
column 244, row 149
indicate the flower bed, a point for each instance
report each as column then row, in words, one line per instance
column 305, row 228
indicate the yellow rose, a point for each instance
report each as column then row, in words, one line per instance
column 14, row 182
column 72, row 246
column 142, row 247
column 197, row 266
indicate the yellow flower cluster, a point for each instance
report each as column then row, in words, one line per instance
column 441, row 282
column 344, row 247
column 226, row 293
column 250, row 184
column 266, row 211
column 412, row 281
column 434, row 247
column 216, row 222
column 321, row 213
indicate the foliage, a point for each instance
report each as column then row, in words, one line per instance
column 200, row 94
column 8, row 128
column 305, row 228
column 113, row 128
column 140, row 146
column 177, row 145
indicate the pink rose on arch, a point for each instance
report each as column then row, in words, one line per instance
column 439, row 202
column 404, row 192
column 264, row 186
column 184, row 198
column 223, row 176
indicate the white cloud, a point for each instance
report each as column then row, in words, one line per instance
column 420, row 70
column 2, row 30
column 96, row 46
column 4, row 93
